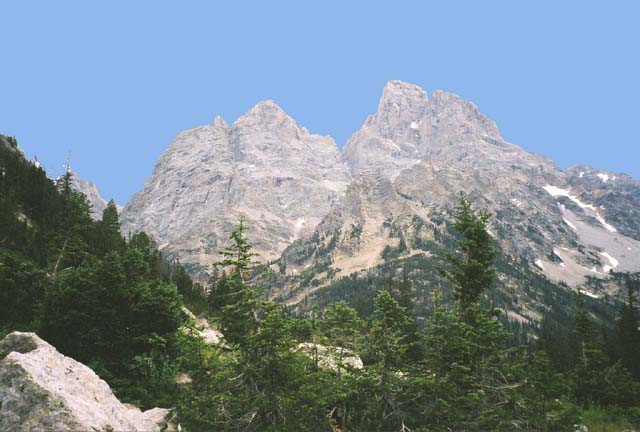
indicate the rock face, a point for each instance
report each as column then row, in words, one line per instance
column 90, row 190
column 42, row 390
column 414, row 155
column 404, row 169
column 265, row 168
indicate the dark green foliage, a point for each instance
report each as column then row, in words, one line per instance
column 266, row 386
column 81, row 287
column 108, row 237
column 627, row 338
column 471, row 271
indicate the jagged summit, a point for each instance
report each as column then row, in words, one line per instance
column 264, row 167
column 408, row 161
column 399, row 96
column 266, row 113
column 445, row 106
column 219, row 122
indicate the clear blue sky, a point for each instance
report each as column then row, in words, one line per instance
column 113, row 82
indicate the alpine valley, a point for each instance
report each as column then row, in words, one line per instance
column 334, row 224
column 426, row 277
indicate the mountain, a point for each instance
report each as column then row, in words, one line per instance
column 322, row 215
column 264, row 168
column 90, row 190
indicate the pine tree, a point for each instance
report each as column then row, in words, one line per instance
column 108, row 236
column 589, row 359
column 238, row 255
column 402, row 291
column 237, row 302
column 628, row 332
column 341, row 328
column 471, row 270
column 380, row 391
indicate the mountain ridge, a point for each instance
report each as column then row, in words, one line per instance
column 408, row 161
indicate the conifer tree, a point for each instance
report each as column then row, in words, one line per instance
column 341, row 328
column 628, row 331
column 237, row 302
column 108, row 236
column 380, row 393
column 589, row 359
column 471, row 270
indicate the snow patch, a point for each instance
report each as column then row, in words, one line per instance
column 614, row 262
column 594, row 270
column 604, row 177
column 415, row 125
column 581, row 174
column 556, row 192
column 568, row 222
column 604, row 223
column 589, row 294
column 538, row 262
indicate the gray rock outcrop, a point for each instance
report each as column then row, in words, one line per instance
column 264, row 167
column 42, row 390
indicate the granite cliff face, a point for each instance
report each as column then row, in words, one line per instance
column 264, row 167
column 386, row 196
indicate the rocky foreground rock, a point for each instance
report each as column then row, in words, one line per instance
column 42, row 390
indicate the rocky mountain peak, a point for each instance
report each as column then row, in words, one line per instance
column 265, row 168
column 455, row 112
column 267, row 114
column 220, row 123
column 399, row 95
column 401, row 104
column 405, row 166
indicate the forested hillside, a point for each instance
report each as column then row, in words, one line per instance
column 115, row 304
column 77, row 283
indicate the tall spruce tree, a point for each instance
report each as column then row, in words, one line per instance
column 628, row 331
column 108, row 236
column 589, row 359
column 470, row 270
column 237, row 303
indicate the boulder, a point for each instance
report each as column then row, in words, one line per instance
column 330, row 357
column 43, row 390
column 210, row 335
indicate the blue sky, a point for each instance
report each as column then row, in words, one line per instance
column 113, row 82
